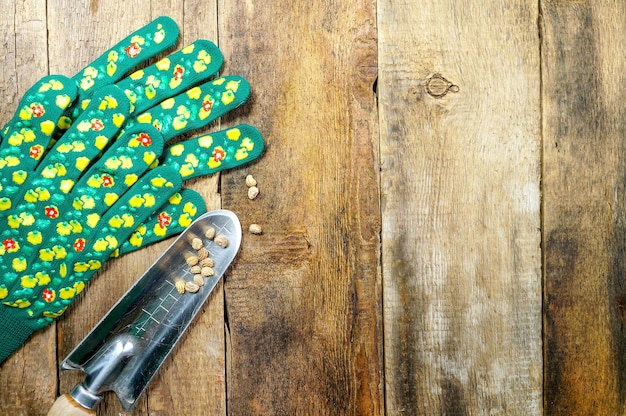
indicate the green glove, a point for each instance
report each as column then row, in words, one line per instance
column 98, row 190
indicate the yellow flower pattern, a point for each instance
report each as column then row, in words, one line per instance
column 60, row 230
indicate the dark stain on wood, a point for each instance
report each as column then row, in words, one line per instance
column 562, row 256
column 454, row 403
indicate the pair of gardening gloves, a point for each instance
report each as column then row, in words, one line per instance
column 88, row 171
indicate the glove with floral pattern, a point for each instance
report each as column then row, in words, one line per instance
column 86, row 171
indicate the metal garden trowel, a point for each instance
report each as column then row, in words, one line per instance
column 126, row 348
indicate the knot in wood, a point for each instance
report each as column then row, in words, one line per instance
column 437, row 86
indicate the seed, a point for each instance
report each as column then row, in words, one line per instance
column 250, row 181
column 203, row 253
column 208, row 262
column 191, row 287
column 210, row 233
column 192, row 260
column 253, row 191
column 180, row 286
column 207, row 271
column 195, row 269
column 255, row 229
column 198, row 279
column 221, row 241
column 196, row 243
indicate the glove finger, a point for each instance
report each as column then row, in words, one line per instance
column 35, row 198
column 46, row 230
column 102, row 186
column 57, row 170
column 50, row 286
column 214, row 152
column 141, row 45
column 196, row 107
column 28, row 133
column 172, row 75
column 202, row 156
column 170, row 219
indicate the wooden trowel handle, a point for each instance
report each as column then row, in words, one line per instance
column 65, row 405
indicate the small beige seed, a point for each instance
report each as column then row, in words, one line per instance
column 180, row 286
column 208, row 262
column 191, row 287
column 255, row 229
column 250, row 181
column 253, row 191
column 198, row 279
column 210, row 233
column 196, row 243
column 195, row 269
column 192, row 260
column 203, row 253
column 221, row 240
column 207, row 271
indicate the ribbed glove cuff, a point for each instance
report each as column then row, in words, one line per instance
column 14, row 331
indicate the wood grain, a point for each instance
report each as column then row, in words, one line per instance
column 192, row 380
column 424, row 161
column 460, row 188
column 584, row 207
column 303, row 300
column 28, row 378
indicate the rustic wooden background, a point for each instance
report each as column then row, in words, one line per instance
column 443, row 198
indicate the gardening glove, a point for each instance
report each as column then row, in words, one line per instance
column 110, row 178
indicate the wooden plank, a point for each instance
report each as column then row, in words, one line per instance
column 91, row 29
column 192, row 380
column 25, row 387
column 460, row 186
column 303, row 299
column 584, row 205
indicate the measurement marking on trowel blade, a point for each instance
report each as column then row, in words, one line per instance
column 159, row 311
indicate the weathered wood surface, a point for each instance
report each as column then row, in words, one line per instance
column 583, row 69
column 460, row 184
column 454, row 248
column 303, row 301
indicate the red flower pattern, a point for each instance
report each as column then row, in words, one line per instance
column 48, row 295
column 145, row 140
column 97, row 125
column 79, row 244
column 38, row 110
column 107, row 181
column 132, row 50
column 51, row 212
column 179, row 71
column 36, row 151
column 164, row 219
column 207, row 106
column 9, row 244
column 218, row 154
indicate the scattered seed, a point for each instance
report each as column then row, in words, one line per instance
column 192, row 260
column 255, row 229
column 250, row 181
column 198, row 279
column 196, row 243
column 180, row 286
column 207, row 271
column 203, row 253
column 210, row 233
column 195, row 269
column 191, row 287
column 253, row 191
column 221, row 241
column 208, row 262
